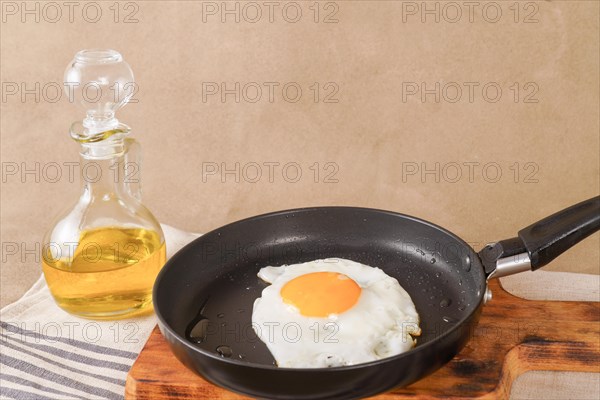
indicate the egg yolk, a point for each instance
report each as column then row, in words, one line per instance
column 320, row 294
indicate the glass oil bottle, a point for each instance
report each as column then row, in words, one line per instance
column 101, row 257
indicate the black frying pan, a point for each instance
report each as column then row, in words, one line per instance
column 204, row 295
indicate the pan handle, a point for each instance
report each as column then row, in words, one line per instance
column 540, row 243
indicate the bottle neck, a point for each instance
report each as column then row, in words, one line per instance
column 92, row 130
column 96, row 122
column 103, row 169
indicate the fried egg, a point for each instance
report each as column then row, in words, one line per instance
column 333, row 312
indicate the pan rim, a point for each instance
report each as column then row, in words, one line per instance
column 246, row 364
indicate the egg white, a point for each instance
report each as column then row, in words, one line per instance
column 381, row 324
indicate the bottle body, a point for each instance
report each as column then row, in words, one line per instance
column 100, row 259
column 111, row 274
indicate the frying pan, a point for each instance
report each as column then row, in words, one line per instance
column 204, row 295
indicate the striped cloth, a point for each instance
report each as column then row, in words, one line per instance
column 46, row 353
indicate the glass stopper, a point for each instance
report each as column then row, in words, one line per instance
column 101, row 82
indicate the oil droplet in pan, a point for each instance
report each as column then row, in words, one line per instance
column 445, row 302
column 224, row 351
column 467, row 264
column 199, row 331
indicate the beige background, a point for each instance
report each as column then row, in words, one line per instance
column 370, row 134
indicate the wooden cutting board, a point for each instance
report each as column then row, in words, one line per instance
column 513, row 336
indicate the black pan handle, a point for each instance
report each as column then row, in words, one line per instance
column 544, row 240
column 547, row 239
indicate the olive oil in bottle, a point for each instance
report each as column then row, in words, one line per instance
column 111, row 273
column 101, row 257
